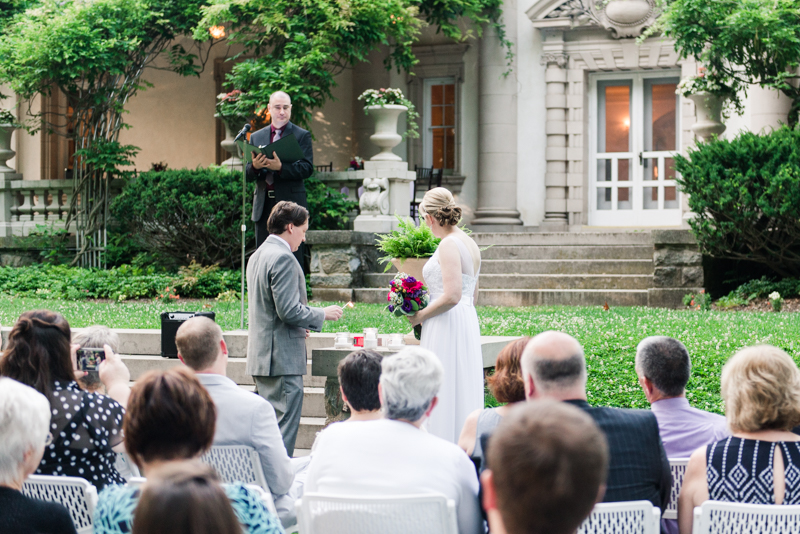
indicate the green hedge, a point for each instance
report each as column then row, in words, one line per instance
column 118, row 283
column 746, row 196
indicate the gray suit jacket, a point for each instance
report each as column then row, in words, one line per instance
column 245, row 418
column 278, row 311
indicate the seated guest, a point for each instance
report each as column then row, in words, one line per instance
column 24, row 427
column 546, row 485
column 243, row 418
column 86, row 427
column 759, row 463
column 95, row 336
column 171, row 419
column 554, row 367
column 185, row 498
column 392, row 456
column 664, row 367
column 359, row 374
column 507, row 386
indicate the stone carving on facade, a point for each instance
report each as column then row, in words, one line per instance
column 559, row 58
column 375, row 199
column 624, row 18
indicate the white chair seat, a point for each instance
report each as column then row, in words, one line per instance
column 397, row 514
column 630, row 517
column 715, row 517
column 76, row 494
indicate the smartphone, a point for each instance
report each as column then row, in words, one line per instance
column 89, row 358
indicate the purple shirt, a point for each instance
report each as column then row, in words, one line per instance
column 685, row 429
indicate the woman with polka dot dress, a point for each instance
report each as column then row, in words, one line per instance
column 86, row 428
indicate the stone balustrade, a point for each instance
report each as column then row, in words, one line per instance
column 26, row 203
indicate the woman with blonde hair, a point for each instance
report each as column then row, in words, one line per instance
column 759, row 462
column 450, row 326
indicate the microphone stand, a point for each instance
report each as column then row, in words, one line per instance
column 247, row 150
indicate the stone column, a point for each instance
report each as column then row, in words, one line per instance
column 555, row 178
column 497, row 127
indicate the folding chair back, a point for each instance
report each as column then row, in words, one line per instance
column 237, row 463
column 76, row 494
column 631, row 517
column 677, row 467
column 715, row 517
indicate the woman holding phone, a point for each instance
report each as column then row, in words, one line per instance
column 85, row 427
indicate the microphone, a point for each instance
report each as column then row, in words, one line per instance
column 243, row 132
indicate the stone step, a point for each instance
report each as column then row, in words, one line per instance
column 615, row 266
column 537, row 297
column 309, row 426
column 543, row 281
column 563, row 238
column 313, row 402
column 588, row 252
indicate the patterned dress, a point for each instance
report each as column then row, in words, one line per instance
column 741, row 470
column 115, row 507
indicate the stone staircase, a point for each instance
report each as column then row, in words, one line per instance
column 525, row 269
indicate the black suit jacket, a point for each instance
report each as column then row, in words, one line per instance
column 289, row 180
column 638, row 467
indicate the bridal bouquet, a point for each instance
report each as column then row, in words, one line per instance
column 407, row 296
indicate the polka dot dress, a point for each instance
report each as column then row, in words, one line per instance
column 85, row 427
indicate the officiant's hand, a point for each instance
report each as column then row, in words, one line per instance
column 259, row 161
column 273, row 164
column 415, row 319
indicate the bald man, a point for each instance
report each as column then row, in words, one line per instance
column 554, row 367
column 277, row 180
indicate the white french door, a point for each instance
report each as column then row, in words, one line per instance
column 634, row 134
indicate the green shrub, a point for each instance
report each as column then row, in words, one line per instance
column 118, row 283
column 761, row 288
column 179, row 216
column 746, row 196
column 329, row 209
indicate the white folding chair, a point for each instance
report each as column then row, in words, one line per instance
column 126, row 467
column 639, row 517
column 397, row 514
column 136, row 482
column 677, row 467
column 76, row 494
column 715, row 517
column 266, row 496
column 237, row 463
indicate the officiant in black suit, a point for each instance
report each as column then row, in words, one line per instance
column 276, row 180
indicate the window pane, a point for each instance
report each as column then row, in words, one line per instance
column 664, row 102
column 436, row 116
column 438, row 148
column 669, row 169
column 624, row 170
column 670, row 198
column 618, row 118
column 603, row 170
column 603, row 198
column 437, row 92
column 650, row 169
column 450, row 94
column 624, row 196
column 650, row 198
column 449, row 116
column 450, row 146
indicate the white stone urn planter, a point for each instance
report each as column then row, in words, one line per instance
column 709, row 115
column 411, row 266
column 5, row 147
column 628, row 11
column 234, row 162
column 386, row 136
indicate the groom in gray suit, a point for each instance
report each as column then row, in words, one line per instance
column 280, row 318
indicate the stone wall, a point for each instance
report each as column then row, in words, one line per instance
column 339, row 259
column 677, row 268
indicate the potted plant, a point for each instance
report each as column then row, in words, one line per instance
column 386, row 105
column 709, row 96
column 8, row 123
column 408, row 248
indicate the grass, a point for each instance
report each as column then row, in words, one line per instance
column 609, row 337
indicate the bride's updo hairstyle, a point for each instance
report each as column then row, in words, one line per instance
column 440, row 204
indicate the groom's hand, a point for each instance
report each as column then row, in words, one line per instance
column 333, row 313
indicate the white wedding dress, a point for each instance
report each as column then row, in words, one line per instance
column 454, row 337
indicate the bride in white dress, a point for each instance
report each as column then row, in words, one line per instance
column 450, row 324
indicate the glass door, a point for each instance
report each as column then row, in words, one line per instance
column 634, row 135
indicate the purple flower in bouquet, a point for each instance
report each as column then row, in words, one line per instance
column 407, row 296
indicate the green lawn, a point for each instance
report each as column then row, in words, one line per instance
column 609, row 338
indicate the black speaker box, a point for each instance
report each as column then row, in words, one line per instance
column 170, row 322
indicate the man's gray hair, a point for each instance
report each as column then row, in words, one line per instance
column 24, row 425
column 410, row 380
column 665, row 362
column 96, row 336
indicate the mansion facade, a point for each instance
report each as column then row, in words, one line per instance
column 580, row 130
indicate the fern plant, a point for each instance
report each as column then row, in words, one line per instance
column 408, row 241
